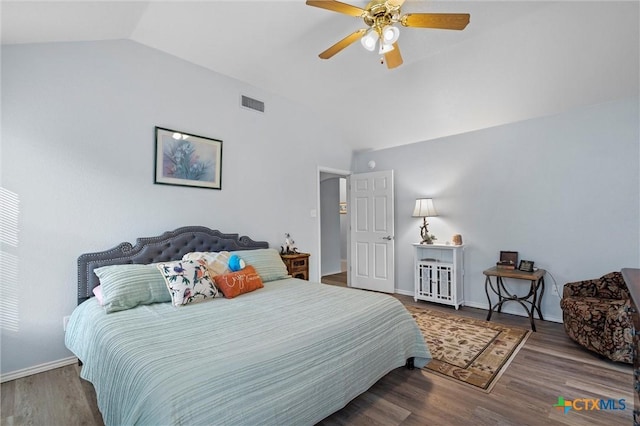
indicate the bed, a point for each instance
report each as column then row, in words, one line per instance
column 291, row 352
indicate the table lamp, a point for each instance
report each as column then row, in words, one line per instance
column 424, row 208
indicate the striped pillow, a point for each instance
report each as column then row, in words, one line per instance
column 267, row 262
column 127, row 286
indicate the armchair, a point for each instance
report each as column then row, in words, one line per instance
column 596, row 315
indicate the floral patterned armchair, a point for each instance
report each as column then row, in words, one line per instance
column 596, row 315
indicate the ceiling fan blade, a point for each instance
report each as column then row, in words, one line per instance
column 444, row 21
column 393, row 58
column 342, row 44
column 337, row 6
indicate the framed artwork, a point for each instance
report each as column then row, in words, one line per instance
column 187, row 160
column 343, row 207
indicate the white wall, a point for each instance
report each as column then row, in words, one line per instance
column 561, row 56
column 562, row 190
column 77, row 148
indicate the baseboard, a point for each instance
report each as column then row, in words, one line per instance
column 18, row 374
column 483, row 306
column 506, row 310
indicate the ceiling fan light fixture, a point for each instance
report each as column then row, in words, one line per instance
column 385, row 48
column 380, row 18
column 369, row 40
column 390, row 34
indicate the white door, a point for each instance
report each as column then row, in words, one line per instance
column 371, row 235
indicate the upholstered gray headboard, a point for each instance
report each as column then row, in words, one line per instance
column 171, row 245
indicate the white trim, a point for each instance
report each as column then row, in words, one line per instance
column 18, row 374
column 484, row 307
column 334, row 171
column 404, row 292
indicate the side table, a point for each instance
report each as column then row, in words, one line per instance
column 297, row 265
column 530, row 302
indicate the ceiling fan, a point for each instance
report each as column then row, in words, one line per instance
column 380, row 16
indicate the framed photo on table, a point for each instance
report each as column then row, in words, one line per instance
column 526, row 266
column 185, row 159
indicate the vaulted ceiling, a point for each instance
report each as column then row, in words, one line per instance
column 515, row 60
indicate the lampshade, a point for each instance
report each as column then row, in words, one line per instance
column 385, row 48
column 390, row 34
column 424, row 208
column 369, row 40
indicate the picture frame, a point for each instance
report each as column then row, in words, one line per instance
column 185, row 159
column 526, row 266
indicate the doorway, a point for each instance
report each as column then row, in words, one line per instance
column 333, row 226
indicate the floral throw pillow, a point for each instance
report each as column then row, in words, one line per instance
column 188, row 281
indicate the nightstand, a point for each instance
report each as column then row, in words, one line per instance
column 297, row 265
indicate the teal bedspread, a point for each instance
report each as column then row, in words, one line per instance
column 291, row 353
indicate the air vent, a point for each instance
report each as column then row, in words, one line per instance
column 253, row 104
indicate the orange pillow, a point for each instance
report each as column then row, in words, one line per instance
column 237, row 283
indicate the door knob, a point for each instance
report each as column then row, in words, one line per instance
column 388, row 238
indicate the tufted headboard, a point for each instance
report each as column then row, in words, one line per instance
column 171, row 245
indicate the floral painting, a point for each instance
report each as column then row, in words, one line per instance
column 188, row 160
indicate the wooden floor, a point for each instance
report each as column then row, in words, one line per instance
column 339, row 279
column 549, row 366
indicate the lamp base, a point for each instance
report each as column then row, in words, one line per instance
column 424, row 234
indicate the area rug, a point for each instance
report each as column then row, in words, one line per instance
column 467, row 350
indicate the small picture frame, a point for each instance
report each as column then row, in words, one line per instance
column 526, row 266
column 186, row 159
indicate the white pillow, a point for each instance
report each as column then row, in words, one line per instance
column 217, row 262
